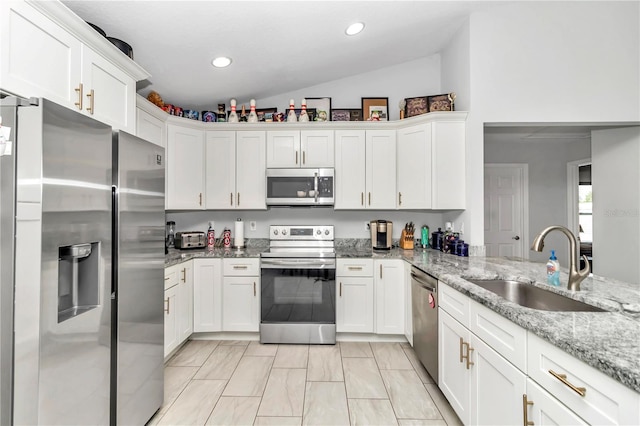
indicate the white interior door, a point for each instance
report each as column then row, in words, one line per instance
column 505, row 209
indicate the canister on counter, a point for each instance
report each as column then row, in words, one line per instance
column 226, row 238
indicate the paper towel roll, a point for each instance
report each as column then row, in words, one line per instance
column 238, row 240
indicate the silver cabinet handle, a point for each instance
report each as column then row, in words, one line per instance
column 296, row 157
column 355, row 268
column 381, row 271
column 239, row 266
column 238, row 199
column 168, row 305
column 184, row 275
column 231, row 198
column 92, row 98
column 340, row 288
column 362, row 198
column 369, row 198
column 254, row 289
column 304, row 157
column 399, row 198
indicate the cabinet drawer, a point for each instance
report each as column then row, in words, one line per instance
column 241, row 267
column 354, row 267
column 171, row 276
column 504, row 336
column 605, row 400
column 455, row 303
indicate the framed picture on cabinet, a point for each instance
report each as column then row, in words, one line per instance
column 265, row 114
column 375, row 109
column 322, row 107
column 442, row 102
column 415, row 106
column 346, row 114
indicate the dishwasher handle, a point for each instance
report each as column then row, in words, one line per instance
column 422, row 283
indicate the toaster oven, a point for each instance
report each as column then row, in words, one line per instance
column 190, row 239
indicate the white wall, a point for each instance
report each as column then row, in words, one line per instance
column 616, row 203
column 547, row 186
column 348, row 224
column 566, row 62
column 415, row 78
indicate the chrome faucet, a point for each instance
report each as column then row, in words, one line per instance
column 575, row 276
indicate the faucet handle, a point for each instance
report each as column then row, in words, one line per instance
column 584, row 273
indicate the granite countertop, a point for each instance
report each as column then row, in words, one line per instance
column 608, row 341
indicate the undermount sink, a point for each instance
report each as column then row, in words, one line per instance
column 533, row 297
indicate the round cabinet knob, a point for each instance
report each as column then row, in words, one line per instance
column 275, row 232
column 326, row 232
column 284, row 232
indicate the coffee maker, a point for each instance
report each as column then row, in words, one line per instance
column 381, row 231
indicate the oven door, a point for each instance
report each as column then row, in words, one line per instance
column 298, row 291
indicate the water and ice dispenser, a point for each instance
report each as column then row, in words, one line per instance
column 78, row 279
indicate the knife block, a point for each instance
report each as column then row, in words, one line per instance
column 406, row 240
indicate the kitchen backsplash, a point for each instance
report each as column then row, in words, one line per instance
column 348, row 224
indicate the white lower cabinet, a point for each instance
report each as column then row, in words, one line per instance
column 178, row 305
column 543, row 409
column 354, row 305
column 482, row 387
column 388, row 281
column 241, row 295
column 207, row 295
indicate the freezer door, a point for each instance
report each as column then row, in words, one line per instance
column 139, row 178
column 63, row 268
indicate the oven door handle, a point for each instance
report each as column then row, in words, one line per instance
column 298, row 264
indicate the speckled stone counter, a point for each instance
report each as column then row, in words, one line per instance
column 608, row 341
column 253, row 249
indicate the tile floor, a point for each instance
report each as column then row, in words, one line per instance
column 245, row 383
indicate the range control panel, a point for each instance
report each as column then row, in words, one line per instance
column 301, row 232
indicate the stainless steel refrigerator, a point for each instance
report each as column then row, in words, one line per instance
column 82, row 261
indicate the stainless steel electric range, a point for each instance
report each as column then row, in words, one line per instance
column 298, row 282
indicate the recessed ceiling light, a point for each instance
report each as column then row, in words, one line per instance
column 354, row 28
column 221, row 62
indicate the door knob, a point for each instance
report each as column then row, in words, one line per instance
column 517, row 237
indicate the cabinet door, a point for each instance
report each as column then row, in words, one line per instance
column 449, row 148
column 283, row 149
column 110, row 94
column 354, row 305
column 389, row 293
column 220, row 170
column 150, row 128
column 544, row 409
column 240, row 303
column 185, row 168
column 381, row 169
column 207, row 295
column 39, row 58
column 350, row 170
column 317, row 148
column 496, row 387
column 185, row 302
column 454, row 378
column 170, row 320
column 251, row 179
column 414, row 167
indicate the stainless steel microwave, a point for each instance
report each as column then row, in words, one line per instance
column 300, row 187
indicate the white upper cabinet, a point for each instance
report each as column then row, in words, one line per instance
column 431, row 164
column 149, row 126
column 317, row 148
column 185, row 168
column 251, row 176
column 295, row 148
column 381, row 169
column 49, row 52
column 220, row 173
column 365, row 169
column 414, row 167
column 350, row 172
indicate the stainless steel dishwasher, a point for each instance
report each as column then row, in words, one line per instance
column 424, row 296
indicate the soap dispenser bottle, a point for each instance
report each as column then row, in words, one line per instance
column 553, row 270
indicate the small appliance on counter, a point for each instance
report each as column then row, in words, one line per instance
column 381, row 232
column 191, row 239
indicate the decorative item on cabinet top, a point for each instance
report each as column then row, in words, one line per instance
column 375, row 109
column 322, row 107
column 424, row 104
column 346, row 114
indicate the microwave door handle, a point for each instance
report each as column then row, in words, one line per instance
column 315, row 185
